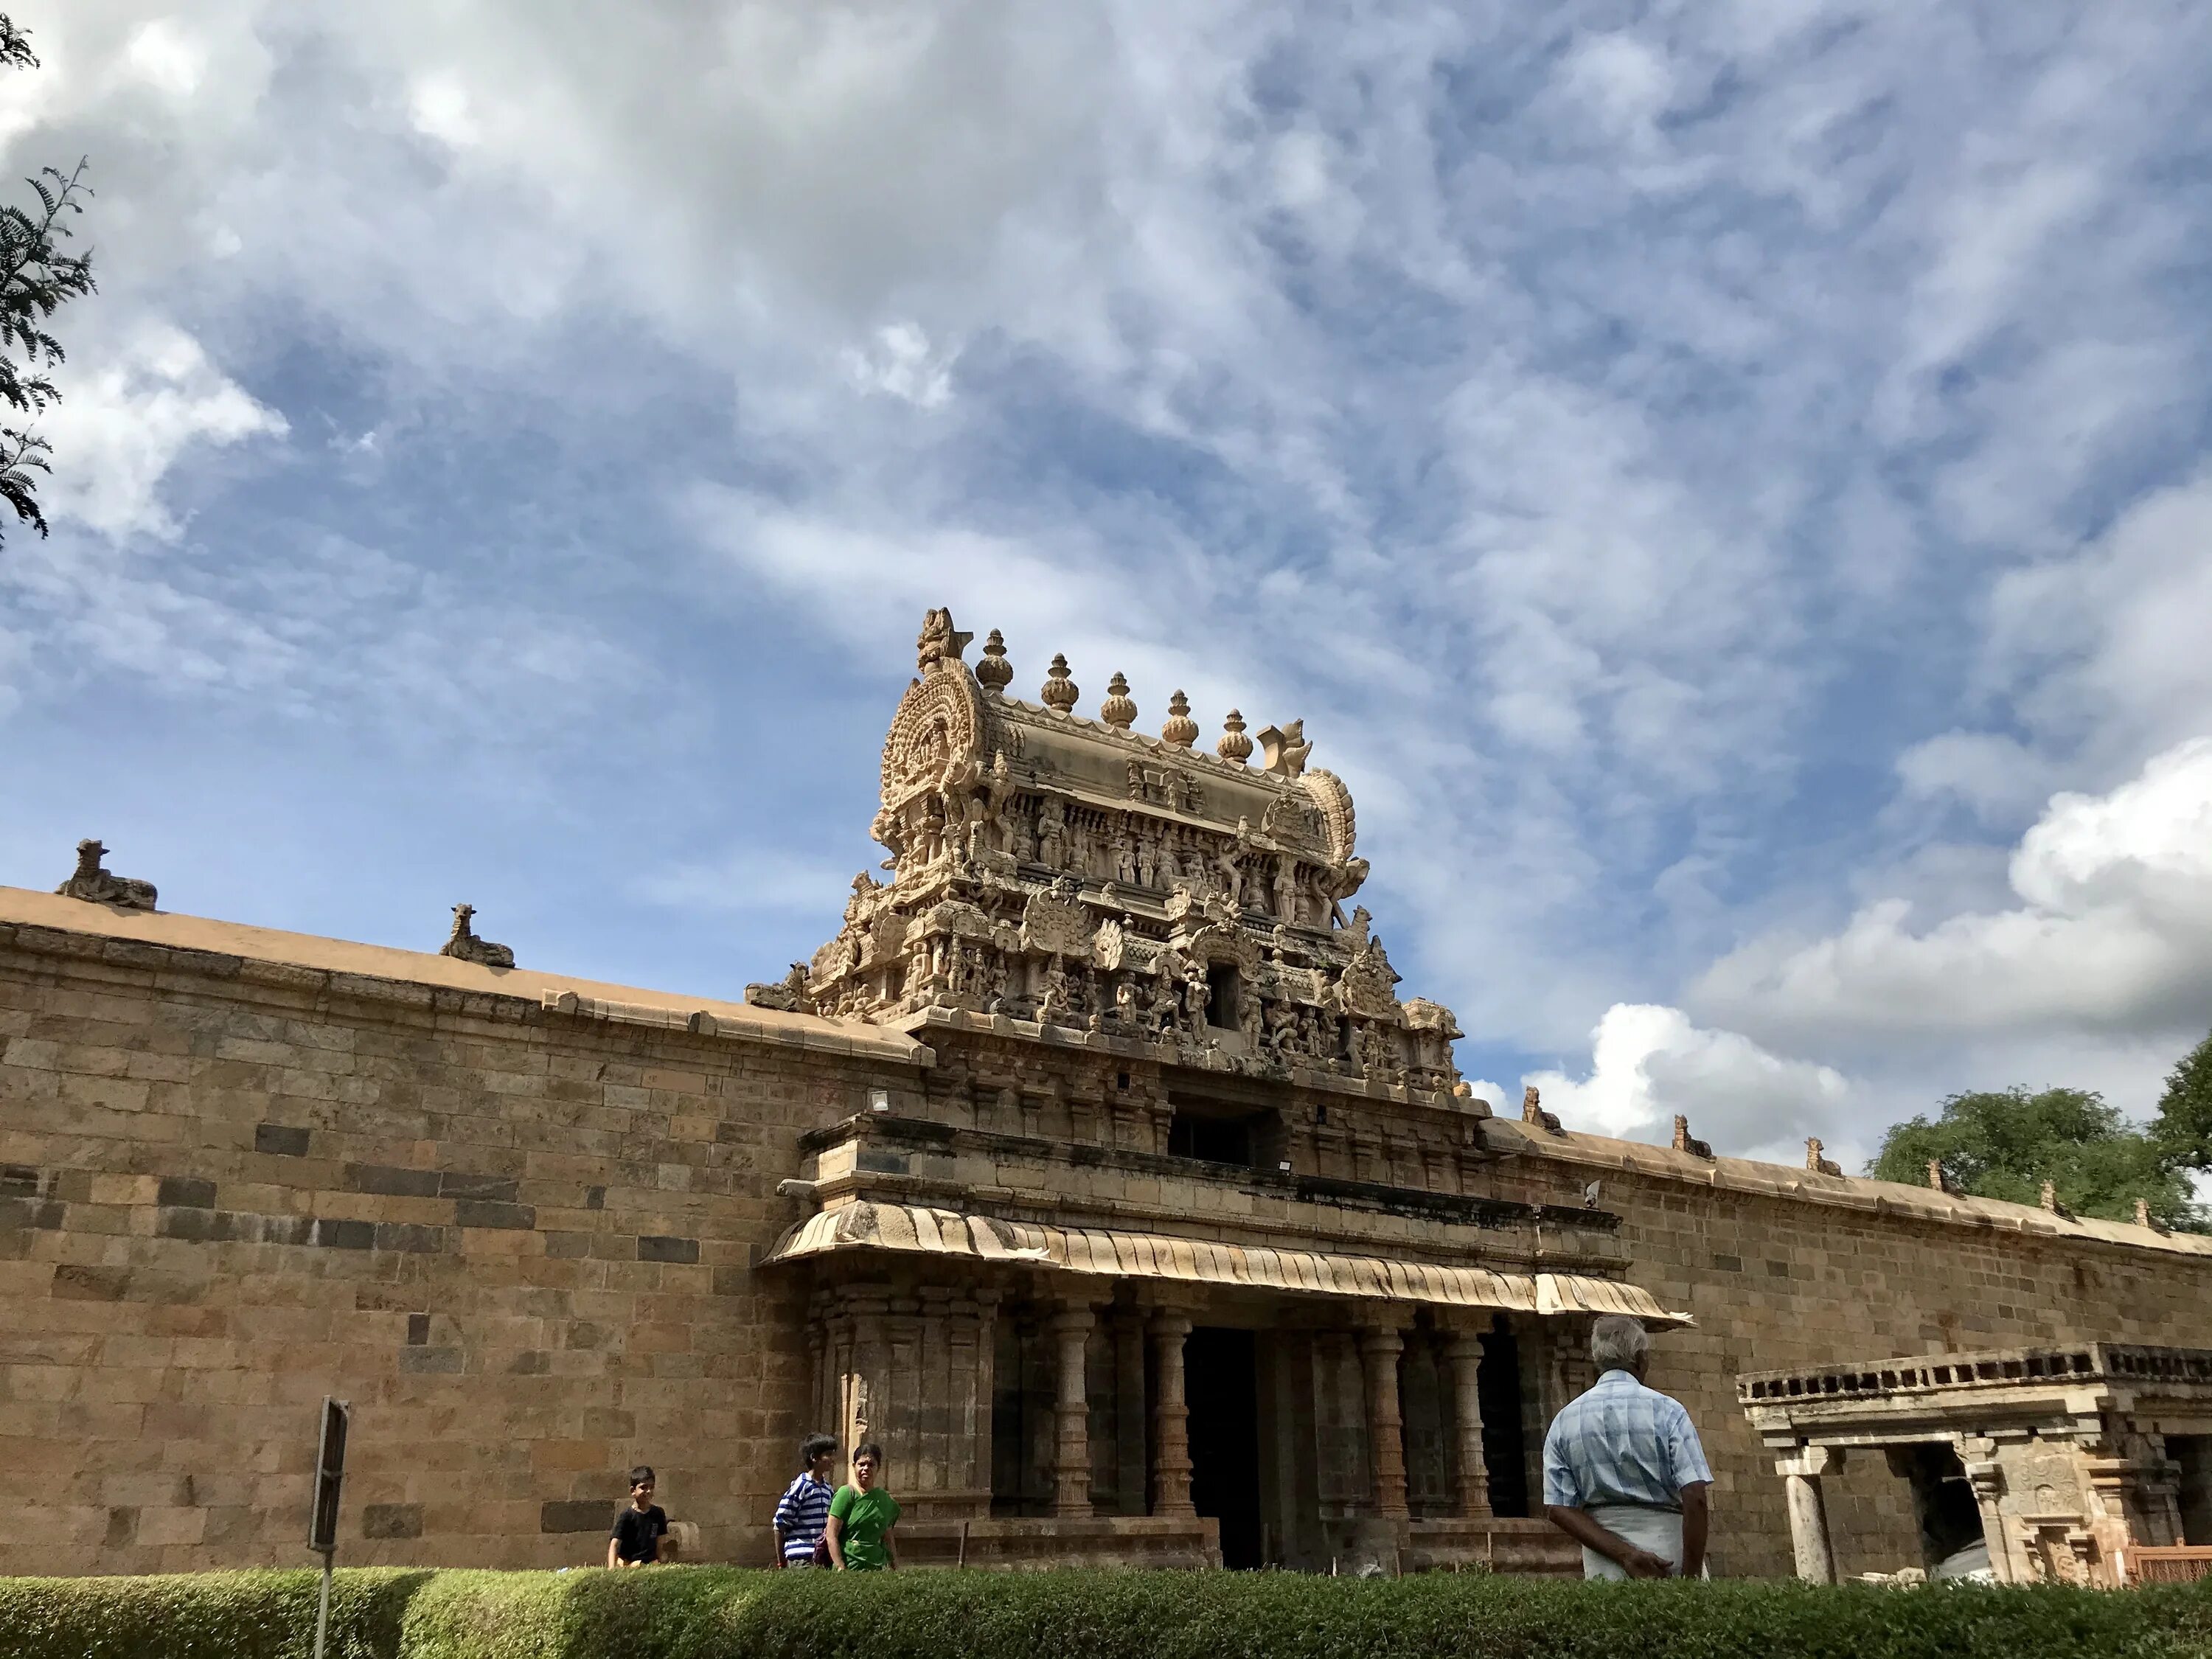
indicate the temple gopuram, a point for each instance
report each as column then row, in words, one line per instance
column 1095, row 1165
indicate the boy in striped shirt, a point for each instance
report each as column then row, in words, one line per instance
column 804, row 1510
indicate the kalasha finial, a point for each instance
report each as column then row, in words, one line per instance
column 1059, row 692
column 1119, row 709
column 1234, row 746
column 994, row 673
column 1179, row 730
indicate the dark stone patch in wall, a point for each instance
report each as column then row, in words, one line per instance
column 595, row 1198
column 732, row 1281
column 443, row 1362
column 391, row 1521
column 473, row 1212
column 418, row 1330
column 345, row 1235
column 186, row 1192
column 576, row 1514
column 389, row 1183
column 1729, row 1264
column 28, row 1213
column 496, row 1189
column 1777, row 1270
column 73, row 1283
column 17, row 1181
column 531, row 1362
column 652, row 1247
column 122, row 1527
column 567, row 1246
column 281, row 1140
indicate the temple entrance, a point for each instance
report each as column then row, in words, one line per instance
column 1221, row 1383
column 1498, row 1382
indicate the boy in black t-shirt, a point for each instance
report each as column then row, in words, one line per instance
column 635, row 1540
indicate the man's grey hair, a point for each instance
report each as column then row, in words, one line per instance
column 1618, row 1343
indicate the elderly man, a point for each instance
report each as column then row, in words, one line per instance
column 1624, row 1475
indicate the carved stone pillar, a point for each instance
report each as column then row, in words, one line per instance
column 1465, row 1353
column 1171, row 1418
column 1071, row 1464
column 1801, row 1473
column 1386, row 1446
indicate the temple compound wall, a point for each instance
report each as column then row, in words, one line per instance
column 1095, row 1167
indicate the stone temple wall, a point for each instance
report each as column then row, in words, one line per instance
column 519, row 1238
column 1820, row 1275
column 515, row 1218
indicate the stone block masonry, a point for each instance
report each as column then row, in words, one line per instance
column 239, row 1170
column 519, row 1221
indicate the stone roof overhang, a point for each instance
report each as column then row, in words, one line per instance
column 1935, row 1396
column 868, row 1226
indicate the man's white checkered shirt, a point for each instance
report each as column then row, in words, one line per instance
column 1622, row 1443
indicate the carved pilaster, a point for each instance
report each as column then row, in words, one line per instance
column 1379, row 1349
column 1170, row 1417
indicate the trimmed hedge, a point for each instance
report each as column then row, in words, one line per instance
column 718, row 1613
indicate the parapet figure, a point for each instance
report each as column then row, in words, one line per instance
column 463, row 942
column 95, row 886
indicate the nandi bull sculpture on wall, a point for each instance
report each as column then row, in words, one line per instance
column 95, row 886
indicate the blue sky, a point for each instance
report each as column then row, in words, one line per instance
column 1726, row 485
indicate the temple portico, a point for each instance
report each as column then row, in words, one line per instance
column 2060, row 1463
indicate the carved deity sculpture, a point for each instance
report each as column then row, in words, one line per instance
column 1052, row 1003
column 1247, row 1021
column 1197, row 994
column 1079, row 848
column 1286, row 890
column 94, row 886
column 464, row 944
column 1125, row 857
column 998, row 784
column 1145, row 862
column 1052, row 834
column 1282, row 1027
column 1231, row 874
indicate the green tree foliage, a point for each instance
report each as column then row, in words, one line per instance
column 36, row 279
column 2182, row 1128
column 2006, row 1144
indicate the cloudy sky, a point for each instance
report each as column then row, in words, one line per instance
column 1729, row 486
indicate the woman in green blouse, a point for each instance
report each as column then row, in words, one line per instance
column 861, row 1516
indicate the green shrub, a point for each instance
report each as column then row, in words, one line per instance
column 717, row 1613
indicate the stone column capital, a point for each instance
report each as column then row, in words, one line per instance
column 1810, row 1462
column 1071, row 1316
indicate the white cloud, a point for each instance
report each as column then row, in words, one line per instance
column 2102, row 647
column 1650, row 1062
column 2112, row 934
column 899, row 363
column 166, row 57
column 129, row 414
column 1995, row 777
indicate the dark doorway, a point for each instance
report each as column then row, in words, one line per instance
column 1224, row 990
column 1498, row 1383
column 1221, row 1383
column 1950, row 1520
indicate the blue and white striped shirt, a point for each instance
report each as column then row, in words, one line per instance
column 802, row 1515
column 1622, row 1443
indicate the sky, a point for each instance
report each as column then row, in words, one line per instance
column 1729, row 486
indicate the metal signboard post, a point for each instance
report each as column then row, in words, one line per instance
column 323, row 1522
